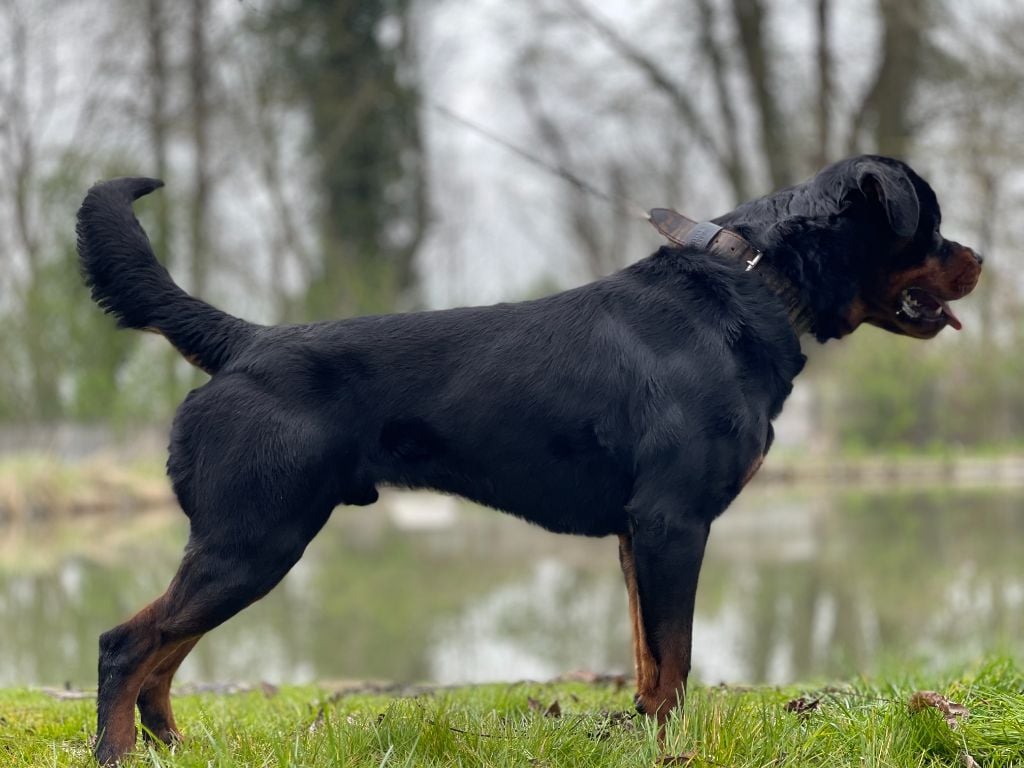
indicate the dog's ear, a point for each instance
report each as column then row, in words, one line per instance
column 892, row 188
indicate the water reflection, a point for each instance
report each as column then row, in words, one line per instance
column 795, row 586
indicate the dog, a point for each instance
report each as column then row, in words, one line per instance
column 635, row 406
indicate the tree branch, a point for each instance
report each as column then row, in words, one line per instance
column 664, row 84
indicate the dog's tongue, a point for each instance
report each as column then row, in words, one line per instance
column 951, row 318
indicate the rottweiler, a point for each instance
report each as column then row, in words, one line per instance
column 635, row 406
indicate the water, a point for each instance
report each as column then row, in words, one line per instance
column 795, row 586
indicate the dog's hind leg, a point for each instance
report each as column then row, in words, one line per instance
column 155, row 696
column 223, row 571
column 128, row 653
column 667, row 546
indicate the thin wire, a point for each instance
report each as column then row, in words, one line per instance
column 618, row 201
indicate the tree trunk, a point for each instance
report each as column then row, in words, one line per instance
column 901, row 63
column 824, row 100
column 889, row 100
column 199, row 80
column 158, row 85
column 359, row 87
column 749, row 16
column 732, row 157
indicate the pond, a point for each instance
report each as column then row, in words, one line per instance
column 797, row 585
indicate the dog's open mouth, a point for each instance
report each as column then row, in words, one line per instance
column 920, row 306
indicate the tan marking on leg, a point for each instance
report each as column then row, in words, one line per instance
column 671, row 687
column 155, row 696
column 645, row 666
column 116, row 709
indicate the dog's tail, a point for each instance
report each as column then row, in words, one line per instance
column 128, row 282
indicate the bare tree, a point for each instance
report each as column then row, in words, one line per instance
column 19, row 156
column 888, row 102
column 158, row 86
column 658, row 77
column 199, row 81
column 158, row 121
column 725, row 100
column 823, row 111
column 351, row 71
column 601, row 254
column 749, row 16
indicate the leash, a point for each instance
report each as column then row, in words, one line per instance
column 620, row 202
column 672, row 225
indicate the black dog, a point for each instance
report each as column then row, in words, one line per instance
column 637, row 405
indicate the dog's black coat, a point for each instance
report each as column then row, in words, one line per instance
column 545, row 408
column 636, row 405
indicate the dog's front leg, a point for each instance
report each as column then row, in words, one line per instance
column 661, row 561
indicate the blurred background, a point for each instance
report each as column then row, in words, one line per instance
column 327, row 159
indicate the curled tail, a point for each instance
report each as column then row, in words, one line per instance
column 128, row 282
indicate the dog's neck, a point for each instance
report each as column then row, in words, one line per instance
column 705, row 235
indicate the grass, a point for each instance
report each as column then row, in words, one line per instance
column 857, row 724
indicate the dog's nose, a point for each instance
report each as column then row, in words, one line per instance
column 955, row 247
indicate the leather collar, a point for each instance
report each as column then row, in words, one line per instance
column 711, row 237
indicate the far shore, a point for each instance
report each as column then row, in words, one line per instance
column 921, row 471
column 38, row 487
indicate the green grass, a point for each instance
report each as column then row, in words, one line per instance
column 857, row 724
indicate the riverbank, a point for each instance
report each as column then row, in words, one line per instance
column 38, row 487
column 882, row 471
column 973, row 717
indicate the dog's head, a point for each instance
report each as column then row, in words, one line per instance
column 912, row 272
column 865, row 244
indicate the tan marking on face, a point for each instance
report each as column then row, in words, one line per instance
column 948, row 279
column 753, row 470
